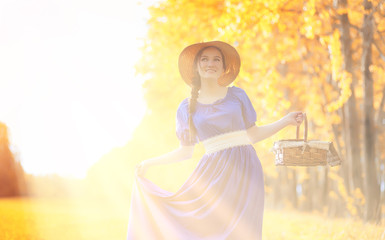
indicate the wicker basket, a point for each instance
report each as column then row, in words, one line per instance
column 301, row 152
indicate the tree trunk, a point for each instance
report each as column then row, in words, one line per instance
column 372, row 188
column 316, row 197
column 379, row 128
column 325, row 188
column 8, row 176
column 277, row 189
column 307, row 191
column 293, row 189
column 351, row 117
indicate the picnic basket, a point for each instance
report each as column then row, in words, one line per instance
column 302, row 152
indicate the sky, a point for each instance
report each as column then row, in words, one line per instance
column 68, row 90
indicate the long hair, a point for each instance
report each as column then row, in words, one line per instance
column 195, row 87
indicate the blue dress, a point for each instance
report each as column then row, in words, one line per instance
column 223, row 198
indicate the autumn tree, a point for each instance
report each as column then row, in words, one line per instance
column 322, row 57
column 11, row 172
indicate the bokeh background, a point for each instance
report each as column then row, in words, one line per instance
column 90, row 89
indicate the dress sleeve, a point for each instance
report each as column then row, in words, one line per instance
column 248, row 111
column 182, row 127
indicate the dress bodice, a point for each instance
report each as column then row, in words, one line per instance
column 232, row 113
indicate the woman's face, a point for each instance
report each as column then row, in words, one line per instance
column 210, row 64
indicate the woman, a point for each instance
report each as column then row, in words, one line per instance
column 224, row 196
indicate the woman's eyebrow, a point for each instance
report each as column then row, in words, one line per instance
column 214, row 56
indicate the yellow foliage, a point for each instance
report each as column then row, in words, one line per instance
column 291, row 60
column 345, row 81
column 343, row 78
column 334, row 176
column 335, row 54
column 342, row 10
column 359, row 196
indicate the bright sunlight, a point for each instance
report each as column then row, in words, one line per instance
column 90, row 89
column 68, row 92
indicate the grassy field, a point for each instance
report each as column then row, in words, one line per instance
column 46, row 219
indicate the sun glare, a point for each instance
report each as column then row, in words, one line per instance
column 69, row 93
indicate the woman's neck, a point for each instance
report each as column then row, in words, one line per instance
column 211, row 87
column 211, row 91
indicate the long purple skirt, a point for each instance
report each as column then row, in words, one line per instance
column 222, row 199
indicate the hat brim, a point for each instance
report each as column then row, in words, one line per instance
column 232, row 61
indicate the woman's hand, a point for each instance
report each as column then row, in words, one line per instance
column 141, row 168
column 295, row 118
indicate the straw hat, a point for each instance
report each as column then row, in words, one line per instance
column 232, row 61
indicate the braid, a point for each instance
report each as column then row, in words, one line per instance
column 196, row 85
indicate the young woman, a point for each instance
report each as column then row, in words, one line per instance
column 224, row 196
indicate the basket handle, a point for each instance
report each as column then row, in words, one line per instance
column 305, row 132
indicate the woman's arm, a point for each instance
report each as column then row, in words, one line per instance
column 179, row 154
column 257, row 134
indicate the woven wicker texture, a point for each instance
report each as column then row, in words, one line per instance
column 301, row 152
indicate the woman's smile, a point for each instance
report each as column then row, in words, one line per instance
column 210, row 64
